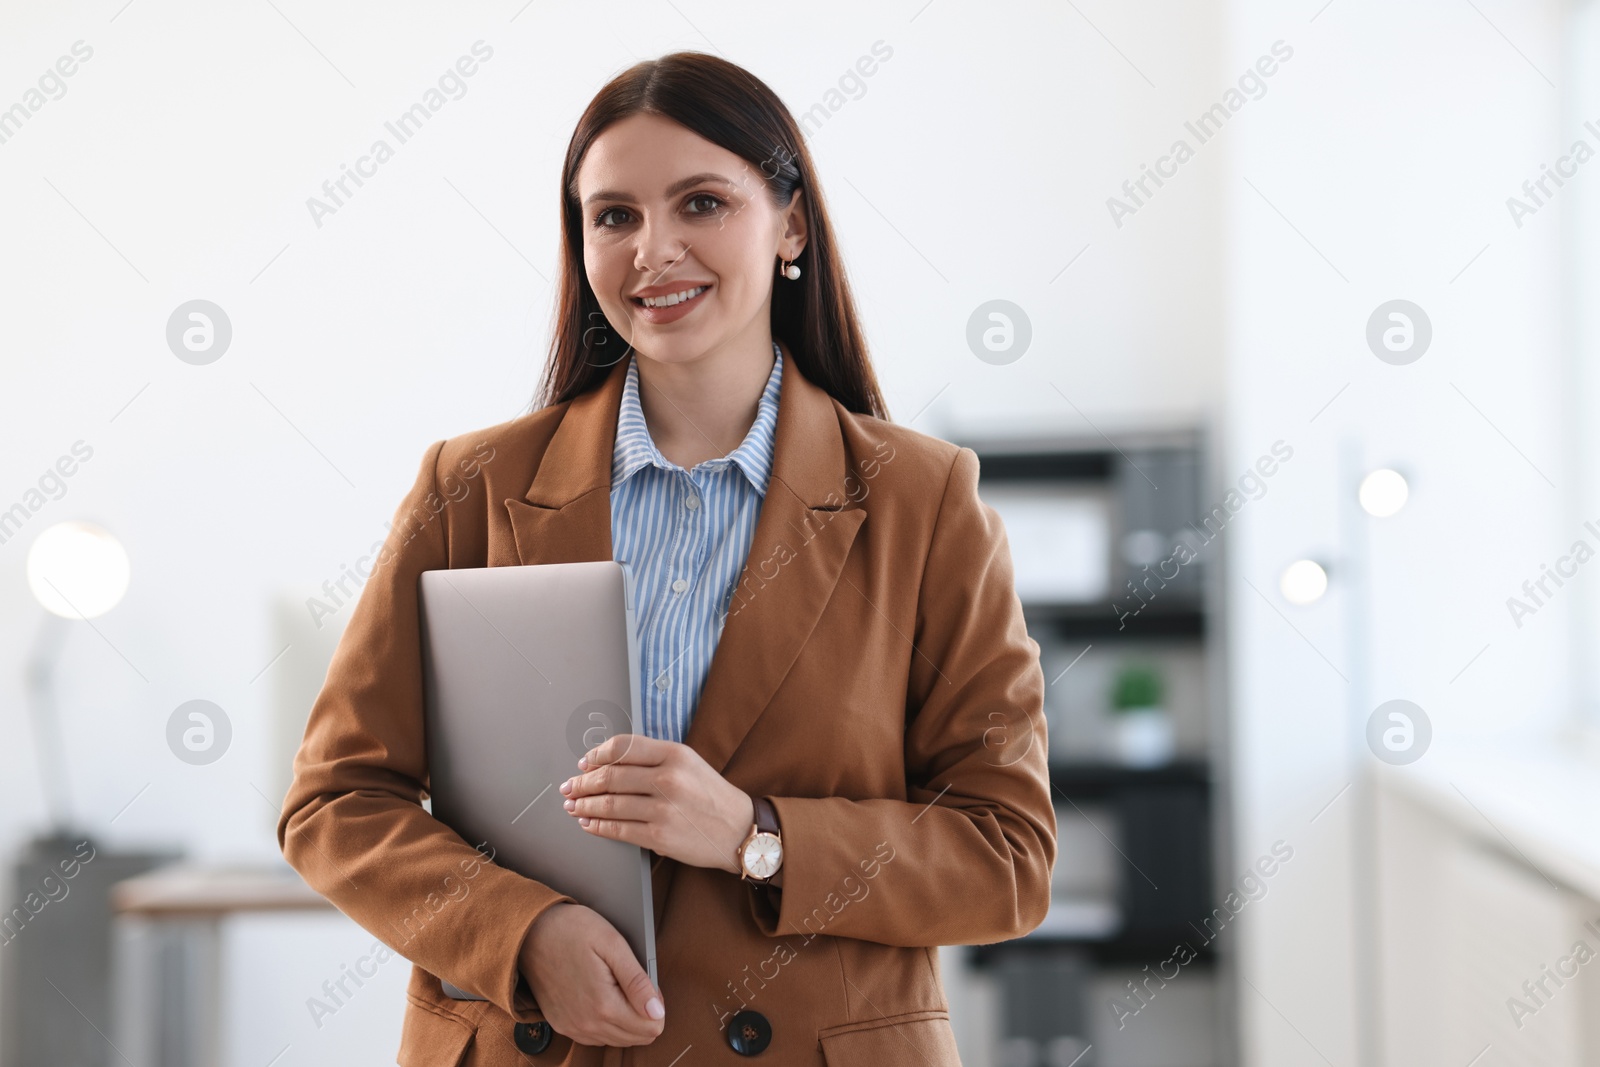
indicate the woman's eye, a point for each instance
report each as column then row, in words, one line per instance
column 600, row 219
column 716, row 202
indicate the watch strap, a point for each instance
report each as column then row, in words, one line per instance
column 766, row 817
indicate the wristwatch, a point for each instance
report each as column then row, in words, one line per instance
column 761, row 854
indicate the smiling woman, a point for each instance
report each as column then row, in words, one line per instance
column 822, row 660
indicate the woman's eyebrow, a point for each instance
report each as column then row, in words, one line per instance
column 672, row 190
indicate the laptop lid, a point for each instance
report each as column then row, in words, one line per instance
column 526, row 668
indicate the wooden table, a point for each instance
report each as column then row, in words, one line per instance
column 168, row 953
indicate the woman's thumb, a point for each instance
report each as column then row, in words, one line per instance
column 635, row 984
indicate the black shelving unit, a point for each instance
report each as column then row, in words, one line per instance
column 1167, row 817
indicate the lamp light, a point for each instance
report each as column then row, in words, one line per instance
column 1383, row 492
column 77, row 570
column 1303, row 582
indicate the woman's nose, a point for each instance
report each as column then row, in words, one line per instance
column 658, row 249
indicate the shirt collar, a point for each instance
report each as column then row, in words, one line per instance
column 635, row 449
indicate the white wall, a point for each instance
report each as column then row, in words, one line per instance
column 177, row 166
column 1378, row 168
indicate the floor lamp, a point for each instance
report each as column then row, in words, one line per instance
column 76, row 571
column 1364, row 494
column 57, row 971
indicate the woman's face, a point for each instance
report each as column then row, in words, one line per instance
column 666, row 212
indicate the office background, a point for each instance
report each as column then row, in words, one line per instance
column 978, row 161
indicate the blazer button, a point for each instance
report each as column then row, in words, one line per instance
column 749, row 1032
column 532, row 1038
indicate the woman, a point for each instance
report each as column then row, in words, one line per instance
column 855, row 777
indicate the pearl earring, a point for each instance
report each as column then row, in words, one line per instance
column 789, row 270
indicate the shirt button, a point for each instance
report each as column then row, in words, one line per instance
column 691, row 502
column 662, row 682
column 679, row 586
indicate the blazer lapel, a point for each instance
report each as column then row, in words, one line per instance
column 801, row 540
column 798, row 550
column 565, row 516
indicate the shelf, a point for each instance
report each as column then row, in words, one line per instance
column 1105, row 620
column 1045, row 466
column 1101, row 778
column 1104, row 952
column 1071, row 456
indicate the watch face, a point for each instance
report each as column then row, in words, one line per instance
column 762, row 856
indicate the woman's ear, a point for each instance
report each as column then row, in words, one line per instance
column 794, row 226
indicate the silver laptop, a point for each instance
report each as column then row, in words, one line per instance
column 524, row 670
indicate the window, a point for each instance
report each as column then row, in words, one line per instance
column 1580, row 121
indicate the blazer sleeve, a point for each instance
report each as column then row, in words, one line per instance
column 353, row 824
column 967, row 857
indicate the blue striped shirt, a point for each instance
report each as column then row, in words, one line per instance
column 685, row 535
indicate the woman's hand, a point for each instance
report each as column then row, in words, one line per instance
column 586, row 980
column 663, row 796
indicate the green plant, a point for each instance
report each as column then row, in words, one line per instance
column 1137, row 686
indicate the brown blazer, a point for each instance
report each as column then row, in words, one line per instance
column 874, row 678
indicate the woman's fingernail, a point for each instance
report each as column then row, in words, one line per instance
column 583, row 820
column 654, row 1009
column 570, row 805
column 566, row 787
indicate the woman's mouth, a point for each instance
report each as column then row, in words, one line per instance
column 669, row 307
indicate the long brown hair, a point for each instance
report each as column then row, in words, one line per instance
column 813, row 315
